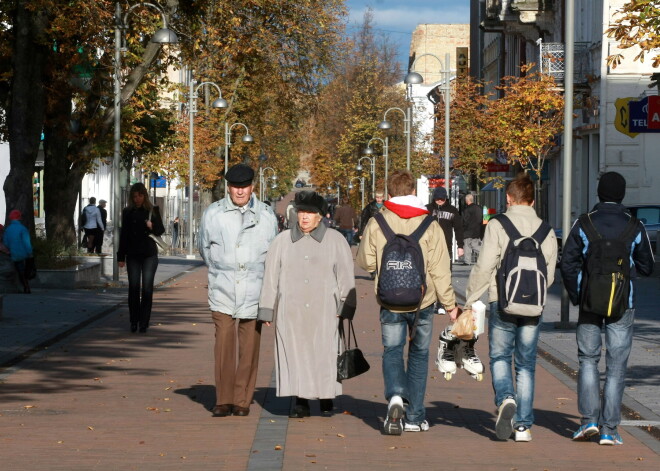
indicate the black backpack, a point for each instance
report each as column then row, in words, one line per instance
column 402, row 275
column 522, row 278
column 605, row 287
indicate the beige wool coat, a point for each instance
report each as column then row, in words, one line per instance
column 307, row 279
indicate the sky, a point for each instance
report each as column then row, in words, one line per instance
column 398, row 18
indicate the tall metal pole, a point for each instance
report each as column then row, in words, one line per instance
column 387, row 164
column 226, row 155
column 362, row 190
column 407, row 125
column 567, row 160
column 191, row 157
column 447, row 75
column 116, row 157
column 373, row 176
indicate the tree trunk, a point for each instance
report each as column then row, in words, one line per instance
column 26, row 112
column 62, row 175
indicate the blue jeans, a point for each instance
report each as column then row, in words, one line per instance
column 141, row 271
column 618, row 342
column 410, row 382
column 513, row 338
column 348, row 235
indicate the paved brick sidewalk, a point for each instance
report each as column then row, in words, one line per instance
column 105, row 399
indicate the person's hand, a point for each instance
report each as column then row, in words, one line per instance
column 150, row 224
column 461, row 252
column 454, row 313
column 267, row 323
column 121, row 264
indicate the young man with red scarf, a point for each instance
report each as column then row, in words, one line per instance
column 405, row 385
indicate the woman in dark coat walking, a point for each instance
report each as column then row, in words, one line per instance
column 138, row 252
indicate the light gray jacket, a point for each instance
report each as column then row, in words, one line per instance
column 233, row 245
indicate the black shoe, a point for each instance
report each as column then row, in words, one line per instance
column 326, row 407
column 300, row 410
column 222, row 410
column 143, row 330
column 134, row 328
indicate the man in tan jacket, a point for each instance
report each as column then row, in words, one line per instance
column 511, row 336
column 404, row 212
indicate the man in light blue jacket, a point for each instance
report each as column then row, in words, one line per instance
column 233, row 239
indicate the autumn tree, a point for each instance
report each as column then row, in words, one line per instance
column 59, row 81
column 637, row 23
column 471, row 130
column 350, row 106
column 528, row 118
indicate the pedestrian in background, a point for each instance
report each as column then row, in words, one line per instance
column 92, row 223
column 512, row 338
column 472, row 222
column 610, row 219
column 17, row 239
column 345, row 220
column 448, row 218
column 138, row 252
column 234, row 236
column 175, row 232
column 370, row 211
column 405, row 385
column 309, row 282
column 98, row 244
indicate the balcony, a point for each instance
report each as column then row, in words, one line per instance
column 553, row 60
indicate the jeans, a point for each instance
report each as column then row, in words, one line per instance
column 513, row 338
column 141, row 270
column 348, row 235
column 472, row 248
column 618, row 342
column 410, row 382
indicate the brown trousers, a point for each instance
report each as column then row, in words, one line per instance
column 235, row 380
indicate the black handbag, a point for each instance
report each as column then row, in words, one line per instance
column 30, row 268
column 350, row 361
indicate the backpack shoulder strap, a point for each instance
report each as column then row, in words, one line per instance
column 387, row 230
column 630, row 229
column 508, row 226
column 542, row 232
column 588, row 227
column 421, row 229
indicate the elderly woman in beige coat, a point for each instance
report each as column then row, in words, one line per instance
column 308, row 283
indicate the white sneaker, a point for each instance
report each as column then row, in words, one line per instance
column 523, row 434
column 504, row 424
column 394, row 420
column 423, row 427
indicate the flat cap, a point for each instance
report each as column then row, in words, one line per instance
column 240, row 175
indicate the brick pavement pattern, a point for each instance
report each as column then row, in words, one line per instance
column 106, row 399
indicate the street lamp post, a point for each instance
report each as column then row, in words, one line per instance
column 372, row 162
column 192, row 109
column 407, row 121
column 361, row 180
column 162, row 36
column 247, row 138
column 414, row 78
column 385, row 144
column 263, row 188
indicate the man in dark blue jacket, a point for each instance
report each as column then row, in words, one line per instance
column 610, row 219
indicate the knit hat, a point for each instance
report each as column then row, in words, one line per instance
column 14, row 215
column 611, row 187
column 440, row 193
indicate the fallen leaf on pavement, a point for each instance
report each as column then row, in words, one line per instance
column 278, row 447
column 341, row 435
column 90, row 428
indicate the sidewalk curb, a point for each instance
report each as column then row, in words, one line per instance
column 11, row 365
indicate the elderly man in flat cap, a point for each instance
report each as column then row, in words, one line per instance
column 233, row 239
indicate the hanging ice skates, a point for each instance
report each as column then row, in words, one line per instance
column 454, row 353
